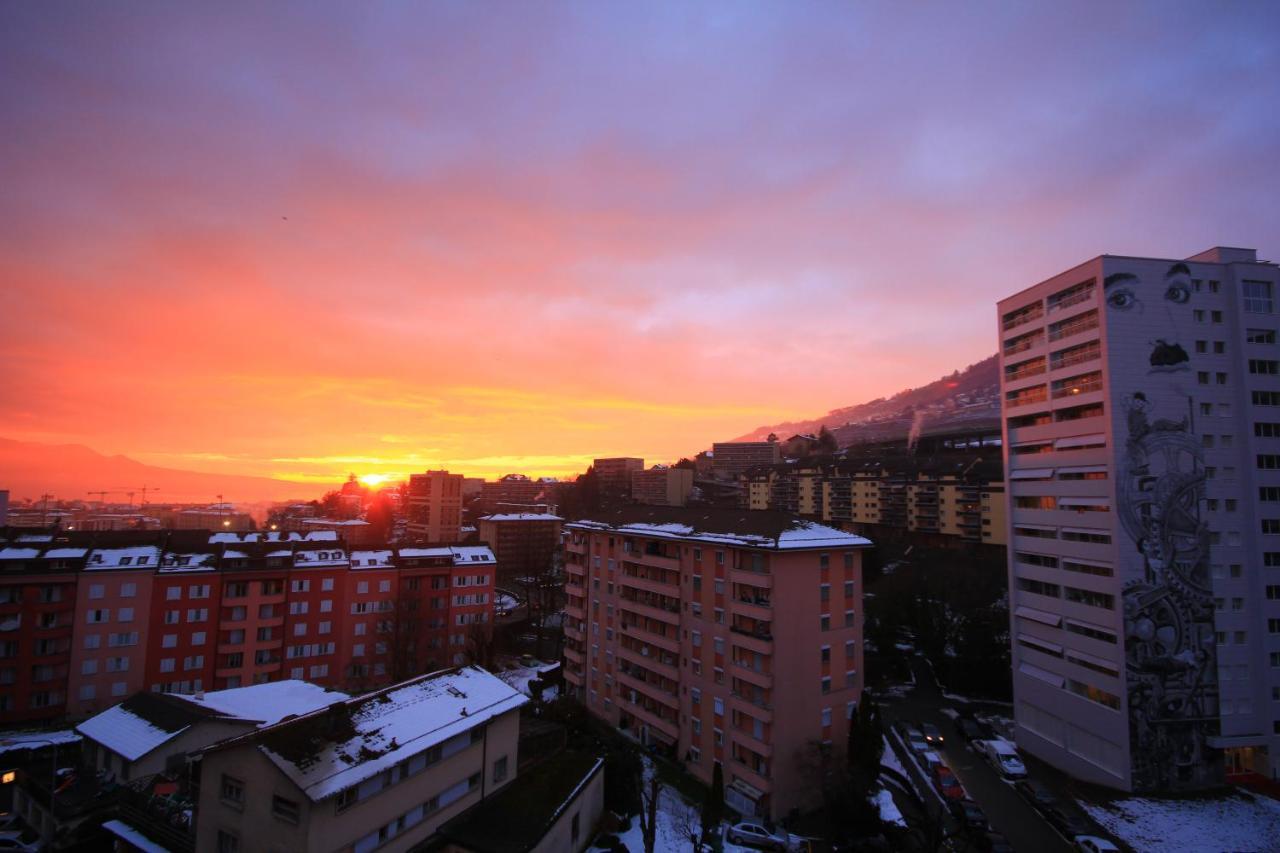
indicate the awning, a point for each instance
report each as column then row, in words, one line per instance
column 1085, row 562
column 1031, row 474
column 1034, row 526
column 1047, row 646
column 1065, row 503
column 1087, row 531
column 1042, row 616
column 1080, row 441
column 1083, row 469
column 1041, row 674
column 1108, row 665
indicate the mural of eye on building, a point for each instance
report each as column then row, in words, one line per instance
column 1170, row 648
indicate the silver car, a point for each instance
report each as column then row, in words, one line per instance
column 757, row 835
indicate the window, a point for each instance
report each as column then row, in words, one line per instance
column 1264, row 367
column 826, row 684
column 125, row 614
column 228, row 842
column 94, row 617
column 232, row 791
column 826, row 654
column 285, row 810
column 169, row 641
column 1266, row 398
column 718, row 705
column 1257, row 297
column 1260, row 336
column 500, row 770
column 826, row 717
column 824, row 621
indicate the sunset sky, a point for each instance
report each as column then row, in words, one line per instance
column 298, row 240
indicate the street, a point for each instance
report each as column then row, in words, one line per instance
column 1007, row 812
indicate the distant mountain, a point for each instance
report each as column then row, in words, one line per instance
column 966, row 398
column 69, row 471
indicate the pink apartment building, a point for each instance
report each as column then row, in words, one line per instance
column 719, row 636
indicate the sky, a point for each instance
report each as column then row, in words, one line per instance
column 296, row 240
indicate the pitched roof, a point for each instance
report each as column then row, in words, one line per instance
column 348, row 742
column 146, row 721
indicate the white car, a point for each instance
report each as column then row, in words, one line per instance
column 1004, row 758
column 757, row 835
column 917, row 744
column 1093, row 844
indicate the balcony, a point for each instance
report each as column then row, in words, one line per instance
column 650, row 662
column 649, row 689
column 749, row 674
column 575, row 612
column 573, row 676
column 752, row 609
column 747, row 577
column 662, row 641
column 649, row 718
column 670, row 617
column 747, row 739
column 575, row 589
column 647, row 585
column 573, row 655
column 751, row 775
column 229, row 648
column 572, row 632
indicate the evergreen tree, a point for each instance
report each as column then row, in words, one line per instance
column 713, row 805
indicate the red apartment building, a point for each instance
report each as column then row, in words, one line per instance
column 188, row 612
column 719, row 636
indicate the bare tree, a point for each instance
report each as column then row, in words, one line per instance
column 480, row 644
column 649, row 812
column 688, row 822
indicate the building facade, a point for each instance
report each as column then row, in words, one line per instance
column 662, row 485
column 186, row 613
column 524, row 544
column 1142, row 442
column 614, row 475
column 719, row 638
column 435, row 507
column 379, row 771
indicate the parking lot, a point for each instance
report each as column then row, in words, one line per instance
column 1006, row 811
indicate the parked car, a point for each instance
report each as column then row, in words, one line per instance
column 970, row 732
column 994, row 842
column 947, row 783
column 13, row 840
column 918, row 744
column 1004, row 758
column 932, row 734
column 758, row 835
column 968, row 815
column 1093, row 844
column 931, row 761
column 1069, row 824
column 1036, row 794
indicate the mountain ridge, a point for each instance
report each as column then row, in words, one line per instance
column 968, row 398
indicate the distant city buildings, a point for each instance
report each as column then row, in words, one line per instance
column 88, row 619
column 731, row 458
column 719, row 637
column 434, row 512
column 613, row 475
column 945, row 500
column 510, row 490
column 1142, row 452
column 662, row 485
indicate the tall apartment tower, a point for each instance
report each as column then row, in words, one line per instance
column 435, row 506
column 718, row 636
column 1142, row 457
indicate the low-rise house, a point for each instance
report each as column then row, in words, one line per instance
column 380, row 771
column 147, row 735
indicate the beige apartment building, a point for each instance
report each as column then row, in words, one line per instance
column 719, row 636
column 435, row 507
column 614, row 474
column 662, row 485
column 380, row 771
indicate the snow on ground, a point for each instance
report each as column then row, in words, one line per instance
column 671, row 815
column 519, row 676
column 890, row 759
column 888, row 809
column 951, row 713
column 1233, row 822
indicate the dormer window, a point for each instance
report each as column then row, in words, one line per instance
column 142, row 561
column 124, row 561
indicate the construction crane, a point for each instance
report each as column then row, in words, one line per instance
column 133, row 491
column 102, row 496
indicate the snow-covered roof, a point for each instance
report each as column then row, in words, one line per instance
column 333, row 522
column 145, row 556
column 135, row 838
column 338, row 747
column 522, row 516
column 463, row 555
column 371, row 559
column 19, row 553
column 187, row 563
column 36, row 740
column 269, row 703
column 65, row 553
column 146, row 721
column 741, row 528
column 319, row 557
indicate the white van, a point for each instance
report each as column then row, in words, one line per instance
column 1004, row 758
